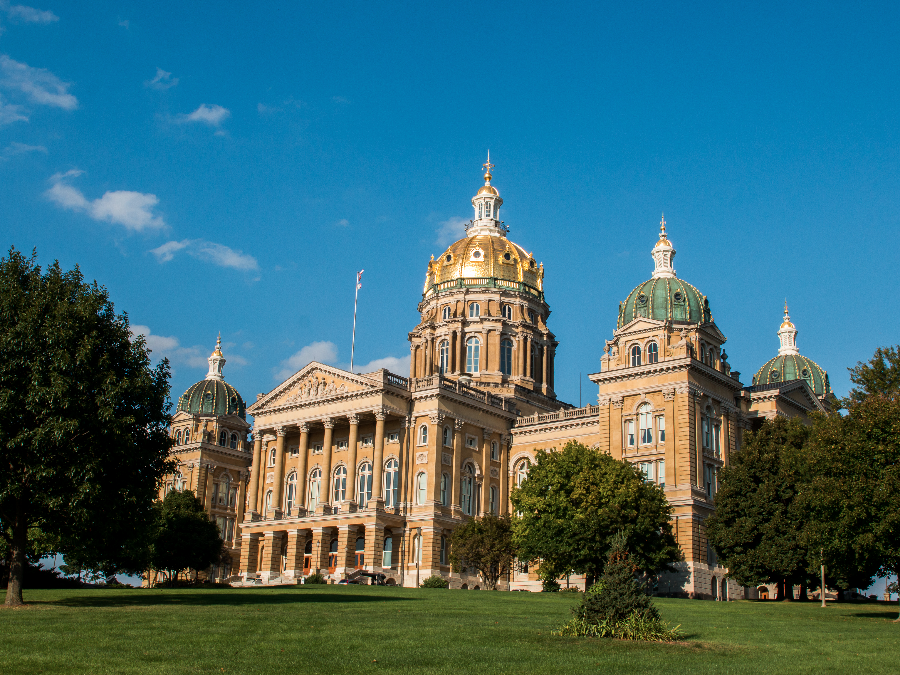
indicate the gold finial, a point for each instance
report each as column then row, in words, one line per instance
column 487, row 166
column 662, row 226
column 785, row 307
column 218, row 349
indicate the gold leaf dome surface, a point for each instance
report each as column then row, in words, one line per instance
column 488, row 190
column 487, row 256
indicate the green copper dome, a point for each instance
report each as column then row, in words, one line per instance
column 212, row 397
column 665, row 298
column 784, row 368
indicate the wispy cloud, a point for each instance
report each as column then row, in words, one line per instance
column 125, row 23
column 15, row 148
column 327, row 353
column 209, row 251
column 10, row 113
column 170, row 347
column 162, row 81
column 343, row 222
column 451, row 230
column 37, row 84
column 133, row 210
column 213, row 115
column 27, row 14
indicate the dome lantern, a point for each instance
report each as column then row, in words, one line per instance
column 787, row 334
column 216, row 362
column 213, row 395
column 487, row 204
column 663, row 254
column 790, row 365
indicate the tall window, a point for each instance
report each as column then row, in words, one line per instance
column 493, row 500
column 473, row 355
column 645, row 422
column 661, row 472
column 332, row 555
column 443, row 558
column 423, row 435
column 636, row 355
column 387, row 555
column 709, row 475
column 521, row 472
column 495, row 451
column 445, row 313
column 339, row 491
column 468, row 485
column 716, row 445
column 448, row 437
column 661, row 428
column 268, row 501
column 629, row 433
column 506, row 353
column 707, row 433
column 290, row 493
column 315, row 483
column 487, row 209
column 480, row 210
column 444, row 357
column 178, row 437
column 223, row 438
column 649, row 471
column 531, row 317
column 652, row 353
column 272, row 456
column 187, row 436
column 474, row 310
column 535, row 361
column 703, row 353
column 421, row 479
column 391, row 482
column 234, row 440
column 364, row 484
column 445, row 485
column 507, row 312
column 224, row 489
column 360, row 552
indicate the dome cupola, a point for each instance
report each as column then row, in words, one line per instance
column 790, row 364
column 213, row 395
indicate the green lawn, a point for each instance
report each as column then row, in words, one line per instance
column 362, row 629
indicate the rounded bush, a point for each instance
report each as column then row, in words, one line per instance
column 435, row 582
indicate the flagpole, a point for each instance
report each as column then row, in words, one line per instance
column 355, row 299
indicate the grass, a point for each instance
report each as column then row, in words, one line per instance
column 361, row 629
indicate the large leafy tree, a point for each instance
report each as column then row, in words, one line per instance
column 184, row 537
column 83, row 418
column 880, row 375
column 575, row 501
column 487, row 545
column 757, row 527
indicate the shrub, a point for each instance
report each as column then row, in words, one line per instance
column 435, row 582
column 549, row 585
column 315, row 579
column 189, row 583
column 632, row 628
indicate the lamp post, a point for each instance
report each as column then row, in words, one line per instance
column 822, row 587
column 418, row 550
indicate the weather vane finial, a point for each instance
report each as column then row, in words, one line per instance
column 487, row 166
column 662, row 223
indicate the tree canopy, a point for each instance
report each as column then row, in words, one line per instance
column 575, row 501
column 183, row 537
column 486, row 544
column 880, row 375
column 83, row 421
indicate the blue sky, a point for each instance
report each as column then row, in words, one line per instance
column 230, row 166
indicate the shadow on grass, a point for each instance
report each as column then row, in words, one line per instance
column 151, row 598
column 888, row 615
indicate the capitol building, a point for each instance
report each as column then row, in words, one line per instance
column 344, row 472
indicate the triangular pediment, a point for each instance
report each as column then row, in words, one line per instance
column 639, row 324
column 313, row 382
column 797, row 391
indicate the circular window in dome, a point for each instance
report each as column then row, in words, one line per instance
column 804, row 372
column 642, row 299
column 476, row 255
column 775, row 376
column 532, row 264
column 507, row 256
column 448, row 258
column 678, row 297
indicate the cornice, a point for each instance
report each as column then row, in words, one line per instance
column 555, row 425
column 667, row 366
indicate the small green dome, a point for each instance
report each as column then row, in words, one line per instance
column 785, row 368
column 665, row 298
column 212, row 397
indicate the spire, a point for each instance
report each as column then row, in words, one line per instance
column 487, row 207
column 663, row 254
column 787, row 335
column 216, row 361
column 487, row 166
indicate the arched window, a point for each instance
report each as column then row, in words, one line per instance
column 223, row 438
column 332, row 555
column 495, row 451
column 445, row 313
column 468, row 487
column 315, row 485
column 391, row 482
column 635, row 355
column 645, row 424
column 423, row 435
column 272, row 456
column 474, row 310
column 224, row 489
column 443, row 558
column 268, row 501
column 360, row 552
column 507, row 312
column 444, row 357
column 387, row 555
column 187, row 436
column 339, row 491
column 445, row 489
column 703, row 353
column 178, row 437
column 506, row 350
column 480, row 209
column 421, row 491
column 521, row 472
column 290, row 492
column 234, row 440
column 493, row 500
column 652, row 353
column 364, row 484
column 531, row 316
column 448, row 437
column 487, row 209
column 535, row 360
column 473, row 355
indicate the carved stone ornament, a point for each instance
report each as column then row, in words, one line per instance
column 304, row 428
column 328, row 423
column 380, row 414
column 353, row 419
column 312, row 387
column 436, row 418
column 495, row 472
column 668, row 394
column 459, row 424
column 270, row 477
column 486, row 434
column 447, row 458
column 618, row 401
column 281, row 431
column 421, row 458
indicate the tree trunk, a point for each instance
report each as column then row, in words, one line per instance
column 803, row 592
column 897, row 571
column 589, row 580
column 17, row 561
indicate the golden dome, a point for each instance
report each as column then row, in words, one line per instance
column 488, row 190
column 486, row 256
column 663, row 240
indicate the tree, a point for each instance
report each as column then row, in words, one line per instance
column 485, row 544
column 574, row 501
column 184, row 537
column 83, row 421
column 880, row 375
column 757, row 527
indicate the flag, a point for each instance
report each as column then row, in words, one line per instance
column 359, row 279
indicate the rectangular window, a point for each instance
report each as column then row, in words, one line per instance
column 705, row 427
column 629, row 433
column 444, row 480
column 367, row 442
column 709, row 473
column 648, row 470
column 661, row 472
column 495, row 451
column 317, row 449
column 215, row 494
column 470, row 441
column 343, row 445
column 716, row 447
column 394, row 437
column 661, row 425
column 294, row 450
column 443, row 550
column 232, row 496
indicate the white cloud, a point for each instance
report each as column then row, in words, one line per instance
column 392, row 363
column 213, row 115
column 39, row 85
column 125, row 23
column 170, row 347
column 134, row 210
column 162, row 81
column 327, row 353
column 28, row 14
column 10, row 113
column 451, row 230
column 343, row 222
column 15, row 148
column 210, row 251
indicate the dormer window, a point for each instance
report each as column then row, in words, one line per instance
column 635, row 355
column 652, row 353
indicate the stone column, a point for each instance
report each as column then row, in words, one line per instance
column 255, row 468
column 296, row 542
column 378, row 463
column 278, row 487
column 301, row 464
column 435, row 447
column 271, row 563
column 518, row 370
column 321, row 539
column 325, row 491
column 671, row 476
column 452, row 361
column 458, row 441
column 486, row 463
column 249, row 552
column 346, row 549
column 412, row 362
column 462, row 350
column 503, row 506
column 241, row 497
column 201, row 483
column 544, row 371
column 351, row 459
column 550, row 370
